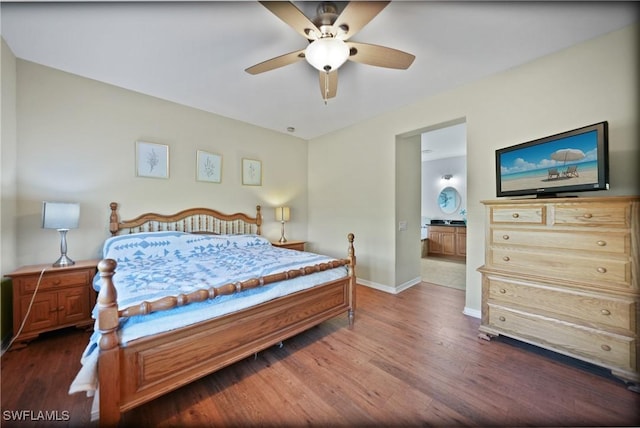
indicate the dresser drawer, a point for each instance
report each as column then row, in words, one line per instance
column 595, row 214
column 585, row 308
column 598, row 242
column 515, row 214
column 569, row 267
column 594, row 345
column 67, row 279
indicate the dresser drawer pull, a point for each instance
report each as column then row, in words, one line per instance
column 602, row 269
column 605, row 311
column 515, row 215
column 56, row 281
column 588, row 215
column 502, row 318
column 605, row 348
column 505, row 237
column 602, row 243
column 506, row 258
column 503, row 291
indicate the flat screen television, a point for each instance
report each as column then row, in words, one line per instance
column 571, row 161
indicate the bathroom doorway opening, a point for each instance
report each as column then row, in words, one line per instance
column 443, row 205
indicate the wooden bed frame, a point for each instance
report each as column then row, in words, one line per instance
column 151, row 366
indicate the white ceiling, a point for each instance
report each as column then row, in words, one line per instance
column 445, row 142
column 195, row 53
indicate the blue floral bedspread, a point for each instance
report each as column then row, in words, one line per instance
column 158, row 264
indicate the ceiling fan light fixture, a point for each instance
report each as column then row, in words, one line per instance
column 327, row 54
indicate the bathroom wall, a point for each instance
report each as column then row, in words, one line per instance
column 433, row 183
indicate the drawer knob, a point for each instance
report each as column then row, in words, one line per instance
column 505, row 237
column 605, row 312
column 588, row 215
column 56, row 281
column 601, row 243
column 602, row 269
column 503, row 291
column 515, row 215
column 502, row 318
column 605, row 348
column 506, row 258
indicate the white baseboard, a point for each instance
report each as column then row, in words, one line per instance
column 389, row 289
column 472, row 312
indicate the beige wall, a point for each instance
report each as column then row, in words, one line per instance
column 8, row 158
column 584, row 84
column 76, row 140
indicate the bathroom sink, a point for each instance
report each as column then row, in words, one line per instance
column 449, row 222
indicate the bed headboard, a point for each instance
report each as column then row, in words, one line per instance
column 192, row 220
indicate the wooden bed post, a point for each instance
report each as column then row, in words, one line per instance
column 258, row 220
column 109, row 360
column 113, row 219
column 352, row 278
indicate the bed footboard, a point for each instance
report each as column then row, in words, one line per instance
column 152, row 366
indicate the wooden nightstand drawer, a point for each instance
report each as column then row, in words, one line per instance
column 291, row 245
column 52, row 280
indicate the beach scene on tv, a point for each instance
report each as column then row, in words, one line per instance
column 567, row 161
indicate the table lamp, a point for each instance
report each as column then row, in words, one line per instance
column 283, row 214
column 61, row 216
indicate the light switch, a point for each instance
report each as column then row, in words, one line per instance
column 402, row 225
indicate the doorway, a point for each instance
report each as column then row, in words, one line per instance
column 443, row 205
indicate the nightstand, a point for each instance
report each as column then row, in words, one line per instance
column 65, row 298
column 292, row 245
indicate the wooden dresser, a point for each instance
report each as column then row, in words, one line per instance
column 562, row 274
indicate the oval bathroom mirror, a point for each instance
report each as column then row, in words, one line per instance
column 449, row 200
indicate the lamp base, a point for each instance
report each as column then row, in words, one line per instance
column 63, row 261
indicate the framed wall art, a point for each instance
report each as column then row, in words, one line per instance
column 208, row 167
column 152, row 160
column 251, row 172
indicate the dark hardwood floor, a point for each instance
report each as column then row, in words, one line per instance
column 411, row 359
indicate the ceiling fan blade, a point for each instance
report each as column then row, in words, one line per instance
column 277, row 62
column 328, row 84
column 356, row 15
column 379, row 56
column 294, row 17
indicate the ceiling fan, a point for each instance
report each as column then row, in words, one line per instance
column 329, row 45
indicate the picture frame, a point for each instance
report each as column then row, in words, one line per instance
column 208, row 167
column 152, row 160
column 251, row 172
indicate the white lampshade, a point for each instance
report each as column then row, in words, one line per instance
column 283, row 214
column 327, row 54
column 60, row 215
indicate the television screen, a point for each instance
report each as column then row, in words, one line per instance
column 571, row 161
